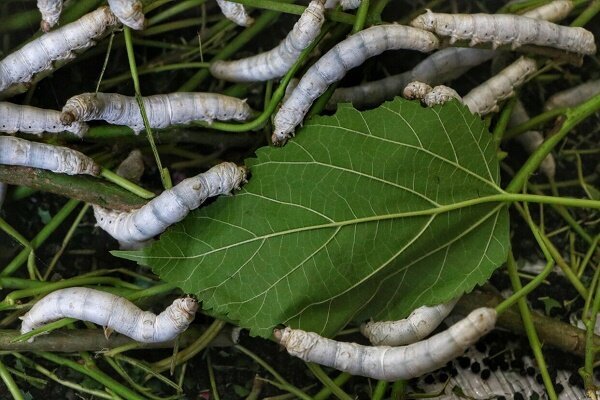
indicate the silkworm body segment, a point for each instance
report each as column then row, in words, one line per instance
column 484, row 98
column 418, row 325
column 111, row 311
column 60, row 44
column 17, row 151
column 554, row 11
column 574, row 96
column 276, row 62
column 50, row 10
column 390, row 363
column 18, row 118
column 344, row 56
column 129, row 12
column 162, row 110
column 506, row 29
column 235, row 12
column 170, row 206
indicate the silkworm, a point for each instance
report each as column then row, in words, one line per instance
column 59, row 45
column 554, row 11
column 417, row 326
column 574, row 96
column 18, row 118
column 276, row 62
column 390, row 363
column 531, row 140
column 171, row 206
column 416, row 90
column 332, row 67
column 17, row 151
column 50, row 10
column 132, row 167
column 440, row 95
column 484, row 98
column 350, row 4
column 235, row 12
column 113, row 312
column 504, row 29
column 163, row 110
column 129, row 12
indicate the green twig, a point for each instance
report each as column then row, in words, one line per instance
column 10, row 383
column 126, row 184
column 339, row 381
column 587, row 14
column 318, row 372
column 503, row 121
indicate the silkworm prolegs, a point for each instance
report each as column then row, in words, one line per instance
column 113, row 312
column 390, row 363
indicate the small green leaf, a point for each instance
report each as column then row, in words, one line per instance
column 364, row 215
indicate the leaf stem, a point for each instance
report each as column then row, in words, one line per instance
column 10, row 383
column 318, row 372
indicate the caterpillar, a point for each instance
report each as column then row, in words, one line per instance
column 163, row 110
column 346, row 4
column 50, row 10
column 18, row 118
column 129, row 12
column 276, row 62
column 17, row 151
column 484, row 98
column 442, row 66
column 132, row 228
column 416, row 90
column 235, row 12
column 417, row 326
column 60, row 45
column 332, row 67
column 531, row 140
column 390, row 363
column 504, row 29
column 440, row 95
column 574, row 96
column 113, row 312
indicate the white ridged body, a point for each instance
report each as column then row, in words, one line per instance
column 416, row 90
column 17, row 151
column 440, row 95
column 350, row 4
column 163, row 110
column 18, row 118
column 333, row 66
column 531, row 140
column 235, row 12
column 171, row 206
column 276, row 62
column 554, row 11
column 59, row 45
column 506, row 29
column 390, row 363
column 417, row 326
column 574, row 96
column 129, row 12
column 112, row 311
column 484, row 98
column 50, row 10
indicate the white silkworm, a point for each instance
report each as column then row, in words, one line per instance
column 40, row 54
column 440, row 95
column 235, row 12
column 171, row 206
column 17, row 118
column 574, row 96
column 416, row 90
column 484, row 99
column 504, row 29
column 331, row 4
column 417, row 326
column 163, row 110
column 113, row 312
column 276, row 62
column 553, row 11
column 350, row 4
column 16, row 151
column 132, row 167
column 332, row 67
column 129, row 12
column 531, row 140
column 50, row 10
column 390, row 363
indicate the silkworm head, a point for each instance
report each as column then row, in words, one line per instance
column 424, row 21
column 484, row 319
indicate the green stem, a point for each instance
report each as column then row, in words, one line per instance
column 573, row 117
column 327, row 382
column 279, row 6
column 174, row 10
column 399, row 390
column 534, row 122
column 590, row 351
column 361, row 16
column 166, row 180
column 107, row 83
column 41, row 237
column 10, row 383
column 534, row 341
column 126, row 184
column 379, row 391
column 588, row 256
column 503, row 121
column 5, row 226
column 95, row 374
column 587, row 14
column 339, row 381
